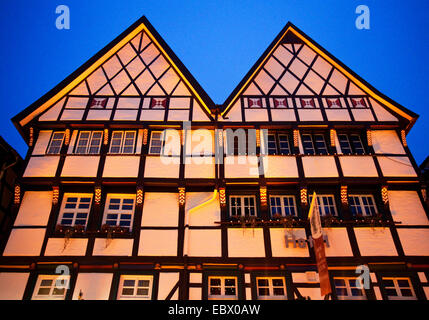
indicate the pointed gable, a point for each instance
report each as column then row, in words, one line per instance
column 137, row 64
column 295, row 67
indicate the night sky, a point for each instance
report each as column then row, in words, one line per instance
column 218, row 41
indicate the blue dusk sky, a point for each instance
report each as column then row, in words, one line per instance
column 218, row 41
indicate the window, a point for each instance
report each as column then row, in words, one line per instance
column 75, row 209
column 283, row 205
column 89, row 142
column 398, row 289
column 351, row 143
column 307, row 103
column 278, row 143
column 119, row 210
column 51, row 287
column 346, row 289
column 314, row 143
column 158, row 103
column 122, row 142
column 56, row 143
column 359, row 103
column 242, row 206
column 326, row 204
column 156, row 139
column 280, row 103
column 135, row 287
column 240, row 142
column 254, row 103
column 271, row 288
column 362, row 205
column 222, row 288
column 333, row 103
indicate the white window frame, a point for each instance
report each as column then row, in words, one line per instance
column 151, row 141
column 119, row 212
column 270, row 288
column 88, row 145
column 76, row 210
column 123, row 139
column 136, row 279
column 48, row 150
column 397, row 288
column 319, row 198
column 242, row 206
column 362, row 205
column 222, row 287
column 282, row 204
column 350, row 283
column 54, row 278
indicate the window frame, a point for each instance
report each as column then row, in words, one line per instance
column 351, row 146
column 52, row 287
column 362, row 205
column 282, row 205
column 348, row 287
column 242, row 206
column 136, row 278
column 271, row 287
column 316, row 150
column 75, row 210
column 88, row 146
column 398, row 288
column 161, row 139
column 222, row 296
column 53, row 139
column 278, row 149
column 122, row 144
column 120, row 211
column 322, row 207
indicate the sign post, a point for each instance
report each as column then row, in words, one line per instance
column 319, row 247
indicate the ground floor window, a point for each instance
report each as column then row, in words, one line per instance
column 398, row 288
column 222, row 288
column 51, row 287
column 348, row 289
column 271, row 288
column 132, row 287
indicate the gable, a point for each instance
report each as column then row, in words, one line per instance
column 135, row 78
column 296, row 80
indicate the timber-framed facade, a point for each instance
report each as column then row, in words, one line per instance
column 97, row 198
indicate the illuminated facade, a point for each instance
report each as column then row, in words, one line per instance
column 99, row 205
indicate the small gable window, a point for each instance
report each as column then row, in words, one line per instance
column 280, row 103
column 359, row 103
column 333, row 103
column 158, row 103
column 254, row 103
column 98, row 103
column 307, row 103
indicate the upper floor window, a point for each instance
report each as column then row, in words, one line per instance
column 51, row 287
column 156, row 139
column 362, row 205
column 75, row 209
column 314, row 143
column 242, row 206
column 89, row 142
column 278, row 143
column 119, row 210
column 56, row 143
column 398, row 289
column 347, row 289
column 271, row 288
column 133, row 287
column 222, row 288
column 122, row 142
column 282, row 205
column 326, row 204
column 351, row 143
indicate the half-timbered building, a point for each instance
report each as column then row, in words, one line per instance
column 137, row 186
